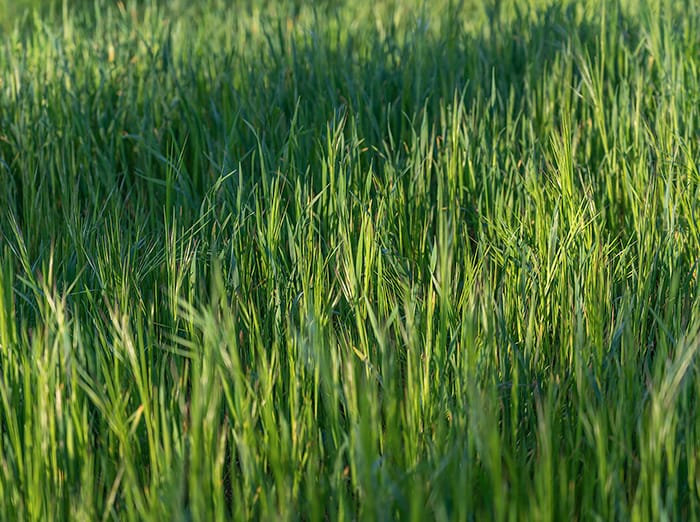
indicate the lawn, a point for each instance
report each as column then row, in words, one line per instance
column 344, row 260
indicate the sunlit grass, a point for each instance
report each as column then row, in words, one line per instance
column 383, row 260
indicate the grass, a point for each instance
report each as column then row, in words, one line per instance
column 388, row 260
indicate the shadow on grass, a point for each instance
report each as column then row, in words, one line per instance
column 143, row 132
column 204, row 115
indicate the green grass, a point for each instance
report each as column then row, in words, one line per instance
column 361, row 260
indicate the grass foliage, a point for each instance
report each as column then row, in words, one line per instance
column 350, row 260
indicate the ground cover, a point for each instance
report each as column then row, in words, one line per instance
column 388, row 260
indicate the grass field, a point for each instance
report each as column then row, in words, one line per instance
column 350, row 260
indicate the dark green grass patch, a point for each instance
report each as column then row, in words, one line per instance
column 347, row 261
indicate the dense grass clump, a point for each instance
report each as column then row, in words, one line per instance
column 350, row 260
